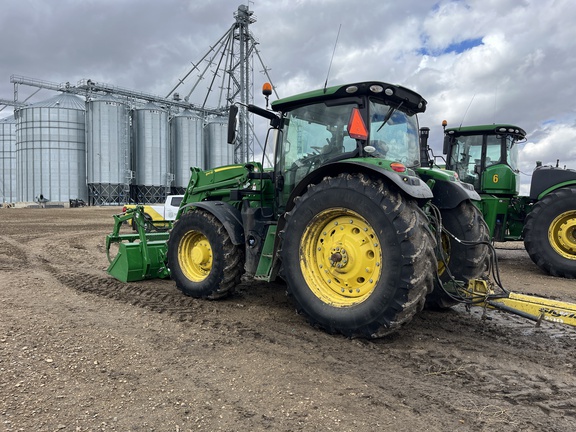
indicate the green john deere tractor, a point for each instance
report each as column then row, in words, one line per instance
column 486, row 156
column 362, row 234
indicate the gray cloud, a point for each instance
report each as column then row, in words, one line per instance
column 521, row 72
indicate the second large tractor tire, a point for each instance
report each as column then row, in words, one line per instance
column 550, row 233
column 357, row 256
column 463, row 261
column 202, row 259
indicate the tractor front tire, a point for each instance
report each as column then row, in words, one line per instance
column 357, row 256
column 550, row 233
column 463, row 262
column 202, row 259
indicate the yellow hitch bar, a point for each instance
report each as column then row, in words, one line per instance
column 531, row 307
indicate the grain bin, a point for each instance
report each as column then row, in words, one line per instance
column 51, row 150
column 7, row 160
column 218, row 150
column 187, row 147
column 151, row 154
column 107, row 150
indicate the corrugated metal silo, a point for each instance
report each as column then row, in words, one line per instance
column 51, row 150
column 7, row 160
column 151, row 154
column 186, row 135
column 108, row 150
column 219, row 151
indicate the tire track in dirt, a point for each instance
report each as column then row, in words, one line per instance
column 445, row 354
column 11, row 256
column 78, row 262
column 175, row 305
column 490, row 367
column 145, row 294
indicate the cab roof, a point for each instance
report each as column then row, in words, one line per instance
column 492, row 129
column 411, row 101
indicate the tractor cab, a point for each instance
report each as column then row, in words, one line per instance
column 319, row 132
column 485, row 156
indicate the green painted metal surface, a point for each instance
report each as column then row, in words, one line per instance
column 265, row 265
column 140, row 255
column 500, row 180
column 132, row 264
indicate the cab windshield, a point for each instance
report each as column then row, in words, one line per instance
column 466, row 158
column 501, row 149
column 313, row 135
column 512, row 152
column 393, row 134
column 317, row 133
column 466, row 155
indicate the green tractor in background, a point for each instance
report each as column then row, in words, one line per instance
column 361, row 233
column 486, row 157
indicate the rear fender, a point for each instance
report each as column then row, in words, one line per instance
column 448, row 191
column 556, row 187
column 411, row 185
column 448, row 195
column 545, row 179
column 228, row 216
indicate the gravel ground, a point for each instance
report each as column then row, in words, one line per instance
column 80, row 351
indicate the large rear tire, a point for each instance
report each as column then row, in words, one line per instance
column 464, row 262
column 357, row 256
column 550, row 233
column 202, row 259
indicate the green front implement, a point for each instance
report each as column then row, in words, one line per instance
column 139, row 256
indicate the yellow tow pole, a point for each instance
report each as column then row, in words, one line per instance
column 528, row 306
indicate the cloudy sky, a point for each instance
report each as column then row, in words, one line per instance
column 475, row 61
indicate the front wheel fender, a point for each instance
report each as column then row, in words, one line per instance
column 226, row 214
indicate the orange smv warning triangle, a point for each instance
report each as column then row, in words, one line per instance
column 356, row 127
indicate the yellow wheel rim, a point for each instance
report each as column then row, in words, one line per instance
column 195, row 256
column 562, row 234
column 341, row 257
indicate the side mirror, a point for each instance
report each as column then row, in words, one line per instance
column 424, row 156
column 232, row 123
column 446, row 144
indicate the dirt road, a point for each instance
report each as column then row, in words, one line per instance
column 80, row 351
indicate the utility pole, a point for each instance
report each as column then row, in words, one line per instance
column 232, row 59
